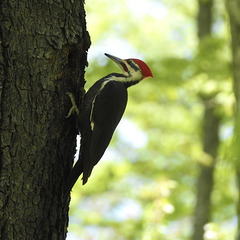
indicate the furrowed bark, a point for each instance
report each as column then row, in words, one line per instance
column 42, row 56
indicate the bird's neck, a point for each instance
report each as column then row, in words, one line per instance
column 128, row 81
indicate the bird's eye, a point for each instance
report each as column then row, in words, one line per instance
column 133, row 65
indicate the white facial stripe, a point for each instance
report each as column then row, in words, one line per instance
column 132, row 65
column 133, row 71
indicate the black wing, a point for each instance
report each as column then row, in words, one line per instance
column 108, row 108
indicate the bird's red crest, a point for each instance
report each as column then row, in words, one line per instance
column 146, row 71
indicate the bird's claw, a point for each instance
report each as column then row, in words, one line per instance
column 74, row 107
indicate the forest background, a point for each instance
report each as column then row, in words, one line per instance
column 170, row 171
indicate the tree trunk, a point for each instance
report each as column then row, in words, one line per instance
column 206, row 179
column 210, row 136
column 234, row 14
column 42, row 56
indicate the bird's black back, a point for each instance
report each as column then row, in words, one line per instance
column 107, row 110
column 103, row 107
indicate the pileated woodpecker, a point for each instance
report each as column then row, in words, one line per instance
column 102, row 109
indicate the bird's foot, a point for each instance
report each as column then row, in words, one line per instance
column 74, row 107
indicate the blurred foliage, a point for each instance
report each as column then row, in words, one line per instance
column 144, row 187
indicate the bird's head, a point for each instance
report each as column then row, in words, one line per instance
column 133, row 69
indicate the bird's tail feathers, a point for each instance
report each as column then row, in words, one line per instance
column 73, row 176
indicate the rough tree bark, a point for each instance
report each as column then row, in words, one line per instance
column 234, row 15
column 42, row 56
column 210, row 135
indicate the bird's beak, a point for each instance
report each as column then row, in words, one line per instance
column 115, row 59
column 120, row 62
